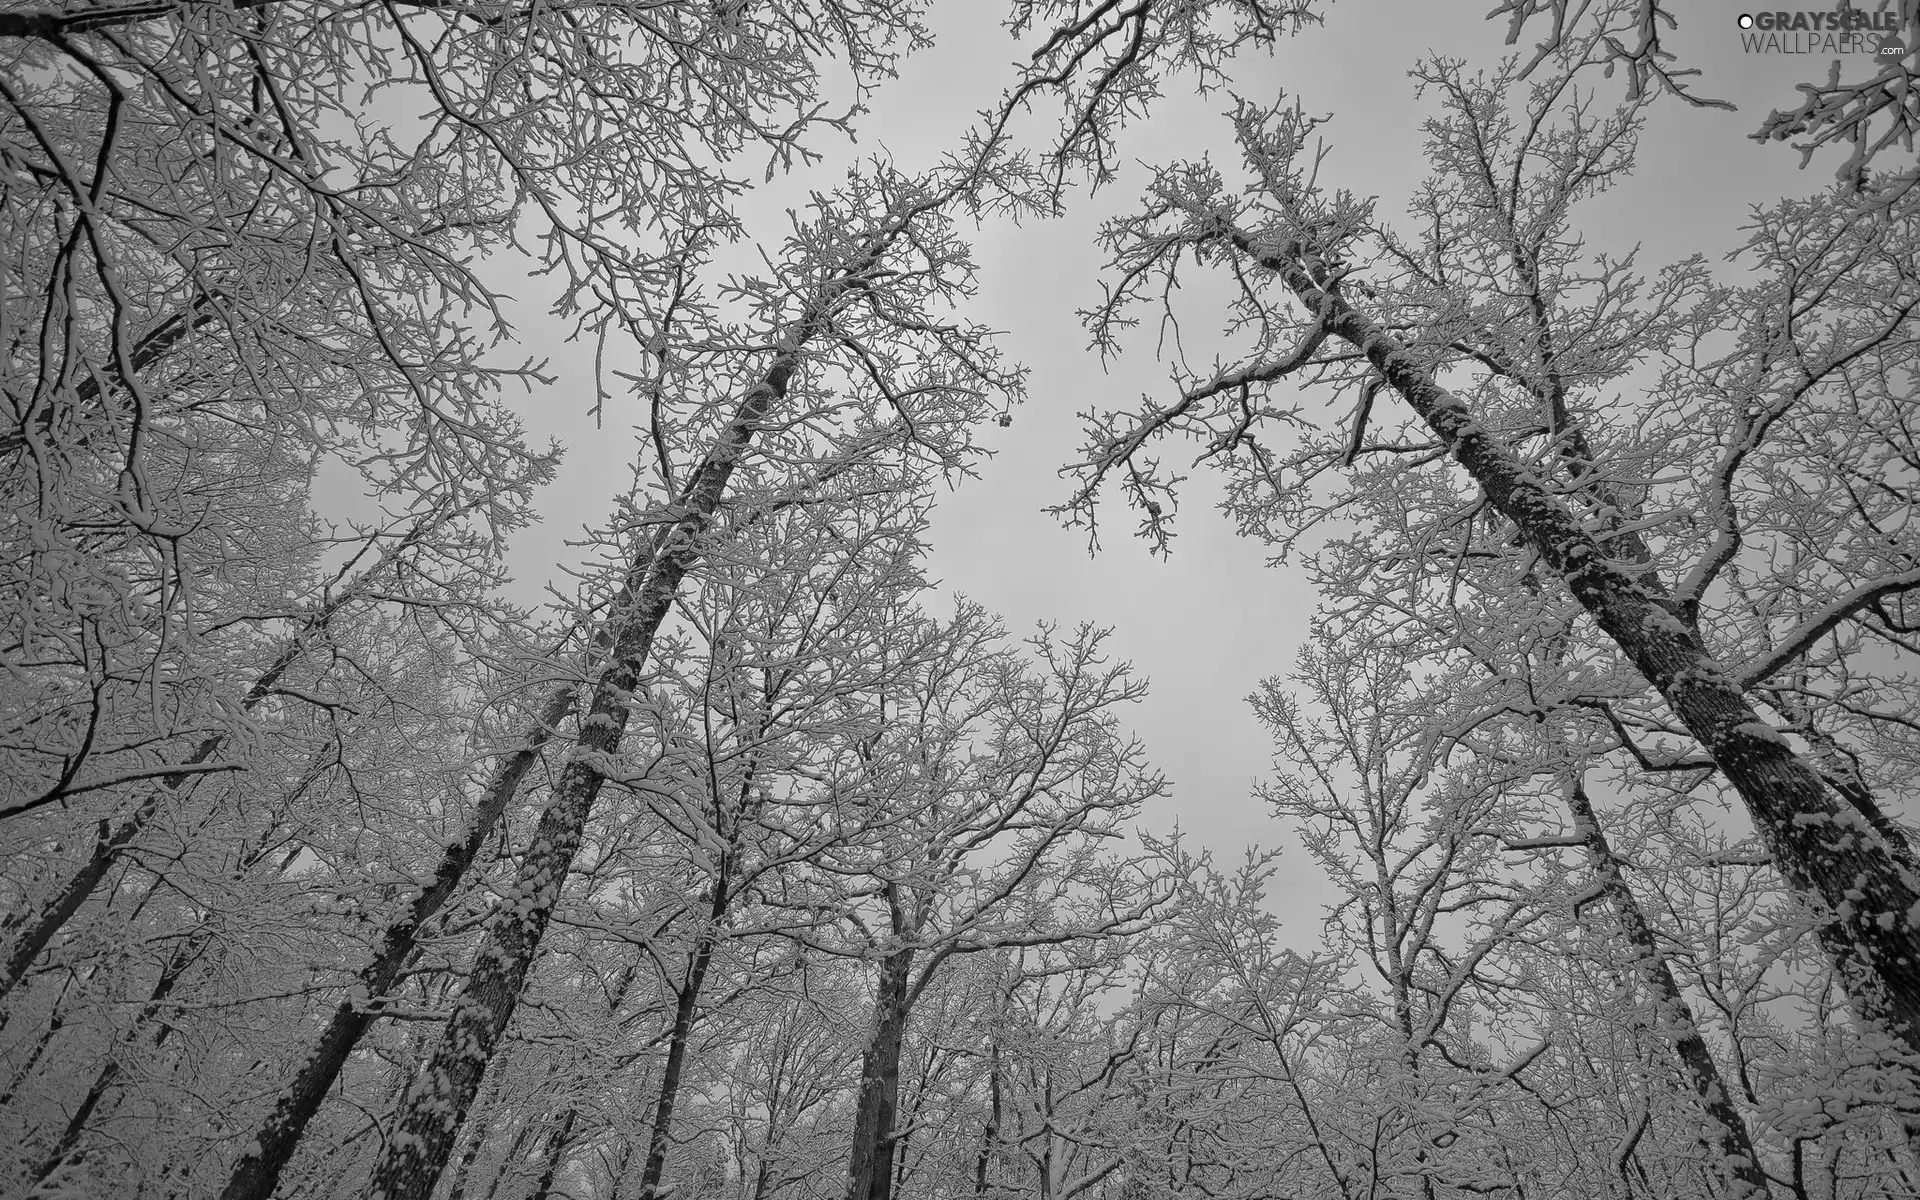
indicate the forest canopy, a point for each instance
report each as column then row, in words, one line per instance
column 757, row 861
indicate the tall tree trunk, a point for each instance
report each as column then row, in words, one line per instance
column 990, row 1133
column 1726, row 1133
column 870, row 1163
column 1838, row 769
column 1868, row 901
column 257, row 1172
column 415, row 1155
column 685, row 1007
column 476, row 1140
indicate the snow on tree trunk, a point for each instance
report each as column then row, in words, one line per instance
column 1726, row 1133
column 1829, row 853
column 257, row 1172
column 686, row 1004
column 431, row 1115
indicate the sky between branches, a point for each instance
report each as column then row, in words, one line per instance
column 1207, row 624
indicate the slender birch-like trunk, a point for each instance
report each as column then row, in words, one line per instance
column 177, row 963
column 556, row 1151
column 990, row 1132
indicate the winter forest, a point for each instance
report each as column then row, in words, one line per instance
column 731, row 851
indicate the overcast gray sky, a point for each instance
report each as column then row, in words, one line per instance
column 1213, row 620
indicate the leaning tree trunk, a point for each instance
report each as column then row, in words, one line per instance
column 257, row 1172
column 476, row 1141
column 556, row 1152
column 431, row 1115
column 1868, row 903
column 1839, row 770
column 176, row 966
column 1726, row 1134
column 112, row 841
column 185, row 953
column 870, row 1163
column 685, row 1006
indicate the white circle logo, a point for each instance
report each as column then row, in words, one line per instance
column 1746, row 21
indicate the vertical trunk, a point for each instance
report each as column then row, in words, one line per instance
column 257, row 1172
column 417, row 1152
column 1726, row 1132
column 686, row 1005
column 1869, row 901
column 870, row 1165
column 990, row 1134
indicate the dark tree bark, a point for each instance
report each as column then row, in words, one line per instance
column 431, row 1116
column 685, row 1007
column 1839, row 771
column 990, row 1132
column 476, row 1138
column 1828, row 852
column 1726, row 1132
column 427, row 1123
column 556, row 1151
column 870, row 1162
column 177, row 963
column 257, row 1172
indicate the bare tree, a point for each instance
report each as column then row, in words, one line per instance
column 999, row 781
column 1646, row 581
column 1630, row 34
column 861, row 274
